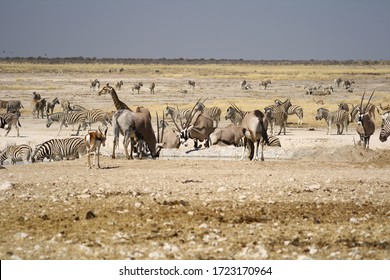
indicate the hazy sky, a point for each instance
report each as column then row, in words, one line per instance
column 247, row 29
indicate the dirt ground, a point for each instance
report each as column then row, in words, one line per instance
column 317, row 197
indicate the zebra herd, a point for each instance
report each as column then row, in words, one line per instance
column 192, row 121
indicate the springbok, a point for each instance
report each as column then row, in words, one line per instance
column 93, row 141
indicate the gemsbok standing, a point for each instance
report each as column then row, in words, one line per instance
column 366, row 126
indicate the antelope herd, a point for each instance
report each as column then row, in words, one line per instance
column 249, row 129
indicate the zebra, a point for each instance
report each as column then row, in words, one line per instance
column 177, row 114
column 242, row 84
column 14, row 106
column 8, row 120
column 338, row 81
column 97, row 115
column 265, row 83
column 273, row 141
column 68, row 118
column 339, row 117
column 277, row 117
column 50, row 106
column 65, row 104
column 95, row 84
column 59, row 149
column 137, row 87
column 213, row 112
column 292, row 109
column 151, row 87
column 385, row 130
column 348, row 84
column 40, row 106
column 191, row 84
column 119, row 85
column 16, row 153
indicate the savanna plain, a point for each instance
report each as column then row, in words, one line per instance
column 318, row 196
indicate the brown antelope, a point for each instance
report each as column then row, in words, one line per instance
column 198, row 126
column 255, row 130
column 366, row 126
column 93, row 141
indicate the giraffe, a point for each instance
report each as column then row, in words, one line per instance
column 117, row 103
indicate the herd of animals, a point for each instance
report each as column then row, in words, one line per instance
column 248, row 129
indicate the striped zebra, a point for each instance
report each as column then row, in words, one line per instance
column 97, row 115
column 292, row 110
column 339, row 117
column 191, row 84
column 277, row 117
column 14, row 106
column 60, row 149
column 68, row 118
column 385, row 130
column 9, row 120
column 50, row 106
column 137, row 87
column 177, row 114
column 16, row 153
column 213, row 112
column 273, row 141
column 95, row 85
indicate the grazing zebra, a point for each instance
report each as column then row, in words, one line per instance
column 14, row 106
column 273, row 141
column 95, row 84
column 97, row 115
column 151, row 87
column 16, row 153
column 119, row 85
column 50, row 106
column 40, row 106
column 265, row 83
column 8, row 120
column 191, row 84
column 59, row 149
column 213, row 112
column 385, row 130
column 370, row 109
column 292, row 109
column 68, row 118
column 339, row 117
column 137, row 87
column 177, row 114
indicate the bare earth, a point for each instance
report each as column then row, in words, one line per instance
column 318, row 197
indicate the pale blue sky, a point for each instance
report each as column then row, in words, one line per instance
column 247, row 29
